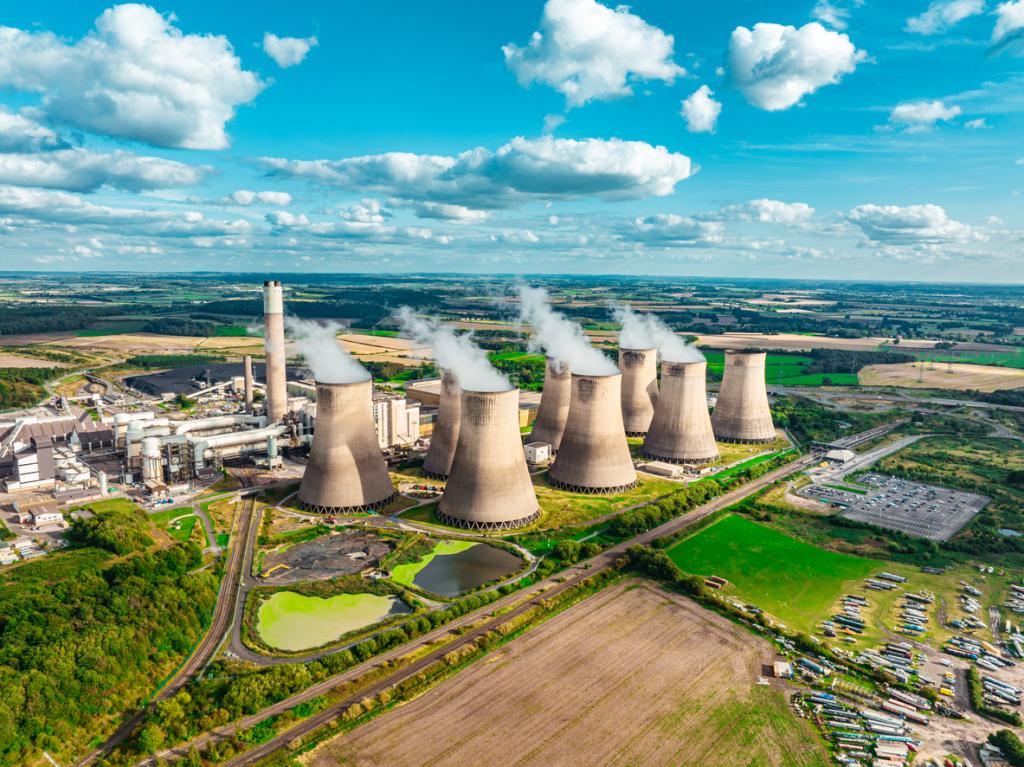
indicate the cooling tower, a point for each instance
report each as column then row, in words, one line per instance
column 594, row 456
column 742, row 413
column 273, row 342
column 489, row 486
column 639, row 389
column 438, row 462
column 681, row 429
column 554, row 404
column 346, row 471
column 247, row 379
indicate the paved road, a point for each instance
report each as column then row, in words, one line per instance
column 207, row 647
column 211, row 536
column 519, row 602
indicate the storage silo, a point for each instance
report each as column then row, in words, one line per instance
column 554, row 404
column 639, row 368
column 346, row 471
column 742, row 414
column 594, row 456
column 681, row 429
column 438, row 463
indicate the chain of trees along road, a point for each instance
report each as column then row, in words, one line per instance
column 519, row 602
column 223, row 611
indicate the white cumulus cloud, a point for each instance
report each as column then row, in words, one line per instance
column 672, row 229
column 287, row 51
column 83, row 170
column 769, row 211
column 909, row 225
column 247, row 197
column 134, row 76
column 21, row 134
column 775, row 66
column 941, row 15
column 701, row 111
column 519, row 171
column 1009, row 26
column 918, row 116
column 586, row 51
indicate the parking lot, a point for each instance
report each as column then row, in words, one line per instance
column 924, row 511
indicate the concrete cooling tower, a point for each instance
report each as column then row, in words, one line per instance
column 489, row 487
column 554, row 404
column 681, row 429
column 639, row 389
column 346, row 471
column 594, row 456
column 742, row 414
column 438, row 463
column 273, row 344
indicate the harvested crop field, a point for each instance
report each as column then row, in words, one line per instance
column 943, row 375
column 633, row 675
column 14, row 361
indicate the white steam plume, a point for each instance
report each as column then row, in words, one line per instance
column 318, row 344
column 559, row 337
column 647, row 331
column 454, row 352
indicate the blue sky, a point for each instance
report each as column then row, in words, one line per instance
column 833, row 140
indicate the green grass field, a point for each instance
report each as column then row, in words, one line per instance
column 231, row 330
column 786, row 369
column 792, row 580
column 521, row 356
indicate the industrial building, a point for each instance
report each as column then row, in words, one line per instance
column 43, row 453
column 489, row 486
column 639, row 368
column 554, row 404
column 396, row 420
column 594, row 456
column 742, row 414
column 681, row 429
column 346, row 471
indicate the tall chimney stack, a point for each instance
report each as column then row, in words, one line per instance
column 594, row 456
column 273, row 339
column 438, row 463
column 742, row 413
column 681, row 429
column 489, row 487
column 247, row 377
column 554, row 404
column 639, row 389
column 346, row 471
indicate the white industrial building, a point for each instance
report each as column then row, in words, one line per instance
column 396, row 419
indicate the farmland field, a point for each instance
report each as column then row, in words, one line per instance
column 631, row 676
column 792, row 580
column 943, row 375
column 787, row 369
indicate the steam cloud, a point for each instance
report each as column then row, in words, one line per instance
column 318, row 344
column 454, row 352
column 647, row 331
column 559, row 337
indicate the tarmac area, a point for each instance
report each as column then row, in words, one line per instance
column 345, row 552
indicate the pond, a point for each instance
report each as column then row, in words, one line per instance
column 293, row 622
column 455, row 567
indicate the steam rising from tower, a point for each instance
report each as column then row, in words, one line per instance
column 681, row 429
column 273, row 342
column 346, row 471
column 742, row 413
column 558, row 336
column 647, row 331
column 454, row 352
column 489, row 487
column 318, row 344
column 554, row 404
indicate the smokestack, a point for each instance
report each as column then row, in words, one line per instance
column 639, row 389
column 438, row 463
column 742, row 413
column 273, row 340
column 346, row 471
column 247, row 376
column 594, row 456
column 554, row 404
column 489, row 487
column 681, row 429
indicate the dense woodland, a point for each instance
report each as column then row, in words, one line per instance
column 23, row 387
column 86, row 634
column 41, row 318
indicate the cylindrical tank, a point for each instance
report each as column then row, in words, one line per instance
column 272, row 447
column 273, row 342
column 554, row 404
column 151, row 464
column 247, row 381
column 441, row 453
column 489, row 487
column 639, row 369
column 101, row 479
column 346, row 471
column 133, row 441
column 681, row 429
column 742, row 413
column 594, row 456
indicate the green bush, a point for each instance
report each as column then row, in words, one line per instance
column 1011, row 746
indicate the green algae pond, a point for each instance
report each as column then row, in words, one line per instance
column 293, row 622
column 455, row 567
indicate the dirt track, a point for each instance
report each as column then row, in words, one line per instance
column 634, row 675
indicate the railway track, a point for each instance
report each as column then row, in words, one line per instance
column 243, row 531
